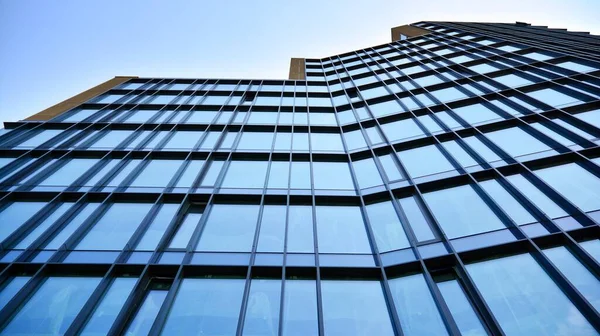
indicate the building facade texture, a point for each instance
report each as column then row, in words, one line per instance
column 447, row 183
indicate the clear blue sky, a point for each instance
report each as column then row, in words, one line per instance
column 52, row 50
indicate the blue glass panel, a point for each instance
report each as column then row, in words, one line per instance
column 116, row 226
column 262, row 311
column 279, row 175
column 465, row 317
column 205, row 307
column 300, row 308
column 272, row 229
column 155, row 231
column 426, row 160
column 229, row 228
column 592, row 247
column 300, row 229
column 327, row 142
column 43, row 226
column 15, row 215
column 106, row 312
column 185, row 231
column 68, row 173
column 461, row 212
column 507, row 202
column 246, row 174
column 475, row 114
column 331, row 175
column 144, row 318
column 183, row 140
column 543, row 202
column 13, row 286
column 388, row 231
column 40, row 138
column 73, row 224
column 190, row 174
column 553, row 97
column 521, row 295
column 256, row 141
column 516, row 142
column 39, row 316
column 157, row 173
column 341, row 229
column 111, row 139
column 402, row 129
column 417, row 220
column 355, row 308
column 578, row 185
column 367, row 173
column 415, row 306
column 585, row 282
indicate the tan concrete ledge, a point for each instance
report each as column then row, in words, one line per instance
column 297, row 66
column 79, row 99
column 408, row 31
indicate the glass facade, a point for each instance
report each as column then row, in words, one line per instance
column 441, row 184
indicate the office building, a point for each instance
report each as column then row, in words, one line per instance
column 445, row 183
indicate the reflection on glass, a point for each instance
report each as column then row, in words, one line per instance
column 340, row 229
column 262, row 311
column 11, row 288
column 389, row 233
column 524, row 300
column 144, row 318
column 107, row 310
column 415, row 306
column 205, row 307
column 229, row 228
column 355, row 308
column 53, row 307
column 300, row 308
column 465, row 317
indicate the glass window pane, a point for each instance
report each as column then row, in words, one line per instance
column 592, row 247
column 155, row 231
column 459, row 154
column 480, row 148
column 329, row 142
column 516, row 142
column 144, row 318
column 465, row 317
column 354, row 308
column 39, row 138
column 300, row 177
column 332, row 175
column 507, row 202
column 205, row 307
column 355, row 140
column 157, row 173
column 229, row 228
column 73, row 224
column 272, row 229
column 116, row 226
column 262, row 311
column 543, row 202
column 578, row 185
column 15, row 215
column 185, row 231
column 300, row 308
column 107, row 310
column 415, row 306
column 111, row 139
column 341, row 229
column 42, row 227
column 389, row 233
column 279, row 174
column 402, row 129
column 256, row 141
column 461, row 212
column 553, row 97
column 521, row 295
column 183, row 140
column 474, row 114
column 417, row 220
column 68, row 173
column 245, row 174
column 11, row 289
column 367, row 173
column 300, row 229
column 584, row 281
column 423, row 161
column 190, row 174
column 39, row 315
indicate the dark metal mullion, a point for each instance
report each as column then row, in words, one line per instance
column 141, row 229
column 173, row 227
